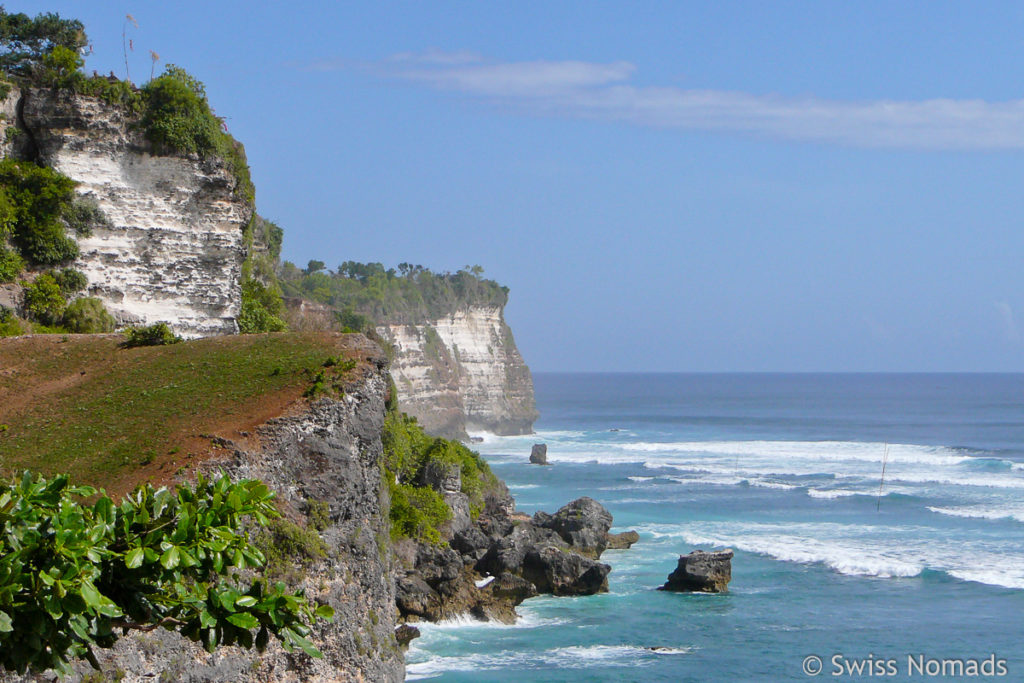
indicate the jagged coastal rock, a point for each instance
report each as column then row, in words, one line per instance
column 462, row 372
column 700, row 571
column 539, row 454
column 504, row 558
column 173, row 250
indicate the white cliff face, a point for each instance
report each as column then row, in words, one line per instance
column 174, row 249
column 462, row 372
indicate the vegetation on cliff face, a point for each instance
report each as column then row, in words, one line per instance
column 74, row 574
column 417, row 510
column 408, row 294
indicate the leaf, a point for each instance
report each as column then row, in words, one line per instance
column 170, row 558
column 6, row 626
column 305, row 644
column 245, row 601
column 325, row 612
column 243, row 620
column 133, row 559
column 91, row 596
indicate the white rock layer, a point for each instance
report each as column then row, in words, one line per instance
column 174, row 250
column 462, row 372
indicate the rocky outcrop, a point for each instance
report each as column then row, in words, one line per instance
column 539, row 454
column 173, row 249
column 505, row 558
column 462, row 372
column 326, row 453
column 623, row 541
column 700, row 571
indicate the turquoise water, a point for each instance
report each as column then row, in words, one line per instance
column 786, row 470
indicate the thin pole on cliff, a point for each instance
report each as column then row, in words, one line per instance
column 885, row 459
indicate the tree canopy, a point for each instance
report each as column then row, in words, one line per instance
column 25, row 40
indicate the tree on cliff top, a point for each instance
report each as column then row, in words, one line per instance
column 25, row 40
column 74, row 575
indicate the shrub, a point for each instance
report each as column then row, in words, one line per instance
column 69, row 280
column 44, row 302
column 36, row 199
column 158, row 334
column 60, row 68
column 88, row 316
column 288, row 548
column 178, row 120
column 78, row 574
column 10, row 325
column 11, row 264
column 416, row 512
column 261, row 308
column 83, row 214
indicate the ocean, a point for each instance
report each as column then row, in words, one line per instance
column 836, row 573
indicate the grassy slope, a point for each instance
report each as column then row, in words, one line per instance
column 116, row 417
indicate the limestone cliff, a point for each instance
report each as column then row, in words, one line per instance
column 462, row 372
column 173, row 249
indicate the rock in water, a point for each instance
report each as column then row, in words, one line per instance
column 539, row 454
column 583, row 524
column 701, row 571
column 622, row 541
column 404, row 635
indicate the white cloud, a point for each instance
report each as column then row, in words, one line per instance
column 602, row 91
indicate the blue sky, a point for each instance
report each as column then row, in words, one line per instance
column 786, row 186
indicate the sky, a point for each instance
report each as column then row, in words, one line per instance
column 677, row 186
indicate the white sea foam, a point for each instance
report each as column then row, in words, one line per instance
column 574, row 657
column 640, row 478
column 523, row 487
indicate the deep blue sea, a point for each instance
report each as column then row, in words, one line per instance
column 785, row 469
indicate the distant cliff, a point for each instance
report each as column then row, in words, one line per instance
column 462, row 372
column 456, row 366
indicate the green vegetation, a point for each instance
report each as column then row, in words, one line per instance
column 417, row 510
column 11, row 326
column 86, row 315
column 75, row 574
column 157, row 334
column 289, row 548
column 34, row 204
column 44, row 302
column 26, row 41
column 96, row 411
column 177, row 119
column 261, row 308
column 410, row 294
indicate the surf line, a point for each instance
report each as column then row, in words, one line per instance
column 885, row 459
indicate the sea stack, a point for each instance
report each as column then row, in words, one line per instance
column 701, row 572
column 539, row 454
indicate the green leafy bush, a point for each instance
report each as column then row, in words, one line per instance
column 10, row 325
column 157, row 334
column 83, row 214
column 60, row 68
column 35, row 199
column 407, row 451
column 178, row 120
column 69, row 280
column 87, row 315
column 75, row 575
column 44, row 301
column 11, row 264
column 261, row 308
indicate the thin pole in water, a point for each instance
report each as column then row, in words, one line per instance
column 885, row 458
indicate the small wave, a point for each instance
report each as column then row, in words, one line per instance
column 766, row 484
column 982, row 512
column 992, row 577
column 640, row 478
column 523, row 487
